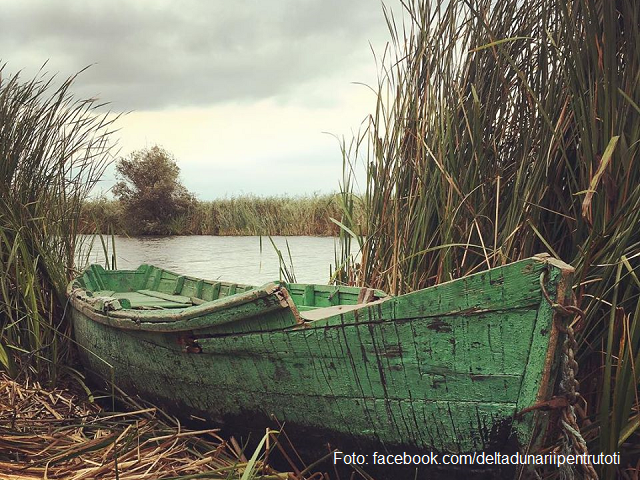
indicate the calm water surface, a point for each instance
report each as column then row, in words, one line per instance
column 235, row 259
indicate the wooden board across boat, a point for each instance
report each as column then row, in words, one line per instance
column 443, row 369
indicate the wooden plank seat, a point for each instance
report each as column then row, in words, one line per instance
column 151, row 299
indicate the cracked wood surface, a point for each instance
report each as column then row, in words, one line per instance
column 445, row 368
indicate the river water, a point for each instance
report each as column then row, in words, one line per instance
column 250, row 260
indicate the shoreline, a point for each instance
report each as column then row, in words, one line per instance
column 245, row 215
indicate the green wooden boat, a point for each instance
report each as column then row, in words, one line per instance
column 445, row 369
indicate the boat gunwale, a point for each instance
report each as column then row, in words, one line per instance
column 166, row 321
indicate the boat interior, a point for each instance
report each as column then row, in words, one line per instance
column 153, row 288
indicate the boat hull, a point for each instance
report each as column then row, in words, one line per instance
column 446, row 369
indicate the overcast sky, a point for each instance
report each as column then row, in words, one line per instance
column 239, row 91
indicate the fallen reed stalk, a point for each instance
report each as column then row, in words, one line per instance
column 53, row 433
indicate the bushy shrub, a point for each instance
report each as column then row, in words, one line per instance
column 150, row 192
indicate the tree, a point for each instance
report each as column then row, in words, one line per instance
column 150, row 191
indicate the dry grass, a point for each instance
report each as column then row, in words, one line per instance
column 55, row 434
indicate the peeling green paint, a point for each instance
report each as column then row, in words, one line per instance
column 446, row 368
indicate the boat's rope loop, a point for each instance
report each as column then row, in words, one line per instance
column 573, row 441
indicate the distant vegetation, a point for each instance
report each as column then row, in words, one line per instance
column 151, row 200
column 242, row 215
column 504, row 129
column 150, row 194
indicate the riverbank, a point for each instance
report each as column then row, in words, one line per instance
column 63, row 433
column 242, row 215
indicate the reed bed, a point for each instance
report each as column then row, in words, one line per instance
column 56, row 433
column 504, row 129
column 53, row 149
column 242, row 215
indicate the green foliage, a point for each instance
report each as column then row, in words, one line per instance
column 503, row 129
column 242, row 215
column 252, row 215
column 101, row 215
column 53, row 149
column 150, row 191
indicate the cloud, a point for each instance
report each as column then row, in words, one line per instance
column 154, row 55
column 266, row 147
column 239, row 91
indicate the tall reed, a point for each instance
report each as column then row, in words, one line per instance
column 500, row 130
column 53, row 149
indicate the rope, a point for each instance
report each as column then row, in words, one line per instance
column 573, row 441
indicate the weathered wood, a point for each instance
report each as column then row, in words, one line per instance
column 173, row 298
column 445, row 368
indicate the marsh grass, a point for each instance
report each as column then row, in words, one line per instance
column 241, row 215
column 61, row 433
column 500, row 130
column 53, row 149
